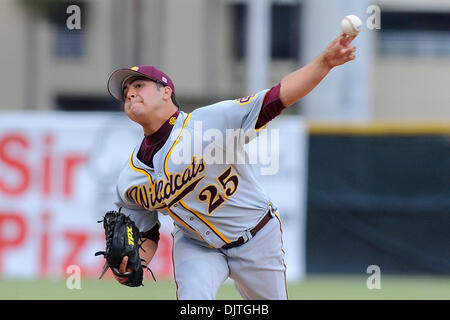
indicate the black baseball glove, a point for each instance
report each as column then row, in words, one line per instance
column 123, row 239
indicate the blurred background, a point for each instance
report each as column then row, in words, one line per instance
column 363, row 179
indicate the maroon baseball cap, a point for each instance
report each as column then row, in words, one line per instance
column 117, row 79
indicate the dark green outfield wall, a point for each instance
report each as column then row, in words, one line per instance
column 378, row 200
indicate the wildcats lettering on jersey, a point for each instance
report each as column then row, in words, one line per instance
column 163, row 192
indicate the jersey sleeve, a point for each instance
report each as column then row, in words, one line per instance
column 233, row 114
column 245, row 111
column 144, row 219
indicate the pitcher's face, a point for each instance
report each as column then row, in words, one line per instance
column 142, row 97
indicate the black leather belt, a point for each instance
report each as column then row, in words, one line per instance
column 253, row 231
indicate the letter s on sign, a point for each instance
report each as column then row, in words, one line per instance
column 12, row 154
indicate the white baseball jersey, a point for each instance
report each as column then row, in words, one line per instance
column 201, row 177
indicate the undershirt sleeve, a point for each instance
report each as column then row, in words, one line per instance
column 272, row 107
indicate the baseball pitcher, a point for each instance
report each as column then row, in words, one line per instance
column 225, row 225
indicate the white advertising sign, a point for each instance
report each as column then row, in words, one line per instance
column 57, row 178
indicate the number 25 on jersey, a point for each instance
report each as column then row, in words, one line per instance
column 214, row 195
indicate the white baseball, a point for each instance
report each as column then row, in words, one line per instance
column 351, row 25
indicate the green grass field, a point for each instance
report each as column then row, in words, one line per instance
column 312, row 288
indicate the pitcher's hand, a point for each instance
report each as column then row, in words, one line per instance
column 122, row 269
column 340, row 51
